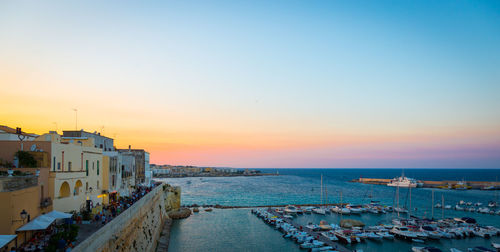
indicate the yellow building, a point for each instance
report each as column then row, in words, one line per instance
column 20, row 197
column 76, row 171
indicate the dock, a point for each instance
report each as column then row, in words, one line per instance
column 432, row 184
column 335, row 245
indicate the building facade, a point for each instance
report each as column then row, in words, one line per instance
column 75, row 172
column 140, row 163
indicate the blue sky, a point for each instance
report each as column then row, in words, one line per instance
column 264, row 83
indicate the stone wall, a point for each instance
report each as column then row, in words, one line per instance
column 139, row 227
column 172, row 198
column 9, row 184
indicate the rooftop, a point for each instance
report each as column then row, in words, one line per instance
column 10, row 130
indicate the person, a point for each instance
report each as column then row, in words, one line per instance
column 103, row 219
column 61, row 244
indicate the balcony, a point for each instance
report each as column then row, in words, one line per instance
column 45, row 202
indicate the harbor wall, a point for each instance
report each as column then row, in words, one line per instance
column 137, row 228
column 428, row 183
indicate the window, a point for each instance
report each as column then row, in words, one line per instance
column 86, row 186
column 93, row 166
column 98, row 168
column 87, row 167
column 97, row 184
column 54, row 164
column 58, row 165
column 69, row 166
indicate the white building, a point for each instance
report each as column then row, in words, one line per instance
column 147, row 170
column 161, row 171
column 9, row 134
column 127, row 173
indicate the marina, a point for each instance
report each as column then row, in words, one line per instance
column 311, row 237
column 413, row 230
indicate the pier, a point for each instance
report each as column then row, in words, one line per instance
column 335, row 245
column 433, row 184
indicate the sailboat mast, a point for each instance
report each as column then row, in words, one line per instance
column 397, row 200
column 432, row 204
column 496, row 191
column 371, row 193
column 321, row 197
column 326, row 195
column 409, row 210
column 341, row 206
column 442, row 206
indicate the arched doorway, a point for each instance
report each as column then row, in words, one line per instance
column 78, row 186
column 64, row 190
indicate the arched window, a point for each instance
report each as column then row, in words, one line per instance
column 64, row 190
column 97, row 168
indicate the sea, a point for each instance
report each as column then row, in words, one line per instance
column 239, row 230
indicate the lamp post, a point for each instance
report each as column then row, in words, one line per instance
column 23, row 215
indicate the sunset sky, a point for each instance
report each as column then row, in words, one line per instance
column 262, row 83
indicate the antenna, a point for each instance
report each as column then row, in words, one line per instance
column 76, row 118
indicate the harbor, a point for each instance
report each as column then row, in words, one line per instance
column 235, row 198
column 444, row 184
column 417, row 232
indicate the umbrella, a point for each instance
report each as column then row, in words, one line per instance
column 5, row 239
column 39, row 223
column 58, row 215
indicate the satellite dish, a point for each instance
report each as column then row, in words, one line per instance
column 33, row 147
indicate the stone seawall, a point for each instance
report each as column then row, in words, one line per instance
column 139, row 227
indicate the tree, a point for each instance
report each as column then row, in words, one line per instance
column 26, row 159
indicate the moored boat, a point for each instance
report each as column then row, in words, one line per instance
column 404, row 182
column 290, row 209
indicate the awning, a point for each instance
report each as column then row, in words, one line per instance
column 58, row 215
column 39, row 223
column 5, row 239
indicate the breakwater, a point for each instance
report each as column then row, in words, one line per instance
column 139, row 227
column 432, row 184
column 213, row 175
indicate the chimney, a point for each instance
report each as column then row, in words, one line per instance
column 129, row 147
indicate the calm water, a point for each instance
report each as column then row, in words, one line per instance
column 229, row 230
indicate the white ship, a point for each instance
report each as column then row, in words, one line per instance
column 404, row 182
